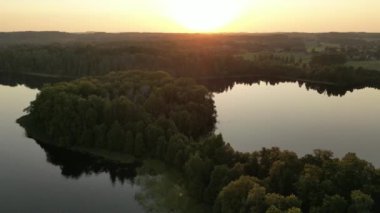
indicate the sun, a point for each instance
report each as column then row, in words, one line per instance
column 204, row 15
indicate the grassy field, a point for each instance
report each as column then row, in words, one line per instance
column 372, row 65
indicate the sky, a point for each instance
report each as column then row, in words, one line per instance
column 190, row 16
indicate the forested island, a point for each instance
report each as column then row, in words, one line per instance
column 137, row 115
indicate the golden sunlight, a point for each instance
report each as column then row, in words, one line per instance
column 204, row 15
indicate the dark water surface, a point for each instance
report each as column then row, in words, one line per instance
column 39, row 178
column 29, row 182
column 290, row 116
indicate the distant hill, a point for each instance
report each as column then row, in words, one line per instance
column 47, row 37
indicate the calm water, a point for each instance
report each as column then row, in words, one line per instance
column 40, row 178
column 30, row 183
column 291, row 117
column 37, row 178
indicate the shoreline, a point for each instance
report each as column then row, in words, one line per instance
column 115, row 157
column 201, row 78
column 149, row 168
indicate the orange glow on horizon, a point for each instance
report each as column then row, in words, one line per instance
column 190, row 15
column 204, row 15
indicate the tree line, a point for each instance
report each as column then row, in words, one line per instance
column 153, row 115
column 192, row 56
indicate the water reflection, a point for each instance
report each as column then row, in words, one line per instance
column 250, row 117
column 40, row 180
column 261, row 115
column 160, row 188
column 216, row 85
column 74, row 164
column 223, row 85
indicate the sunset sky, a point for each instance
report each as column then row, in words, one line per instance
column 190, row 16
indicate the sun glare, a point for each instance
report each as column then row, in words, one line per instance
column 204, row 15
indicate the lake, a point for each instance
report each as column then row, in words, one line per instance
column 29, row 183
column 292, row 117
column 39, row 178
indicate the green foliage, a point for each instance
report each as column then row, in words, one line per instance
column 139, row 145
column 294, row 210
column 197, row 170
column 220, row 177
column 153, row 115
column 360, row 202
column 328, row 59
column 284, row 171
column 129, row 143
column 367, row 64
column 248, row 195
column 282, row 202
column 233, row 197
column 199, row 56
column 107, row 109
column 334, row 204
column 115, row 137
column 273, row 209
column 256, row 199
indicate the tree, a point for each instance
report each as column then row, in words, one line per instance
column 100, row 136
column 152, row 134
column 175, row 144
column 197, row 171
column 353, row 173
column 218, row 179
column 87, row 138
column 139, row 145
column 161, row 148
column 217, row 150
column 233, row 197
column 273, row 209
column 155, row 104
column 309, row 186
column 256, row 199
column 360, row 202
column 281, row 202
column 116, row 137
column 91, row 118
column 294, row 210
column 334, row 204
column 129, row 143
column 284, row 173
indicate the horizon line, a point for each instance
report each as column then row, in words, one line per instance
column 158, row 32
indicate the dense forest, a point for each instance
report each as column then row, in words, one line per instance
column 328, row 58
column 154, row 115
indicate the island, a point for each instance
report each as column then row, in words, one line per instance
column 136, row 115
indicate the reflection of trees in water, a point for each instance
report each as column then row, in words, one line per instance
column 33, row 82
column 161, row 189
column 217, row 85
column 75, row 164
column 223, row 85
